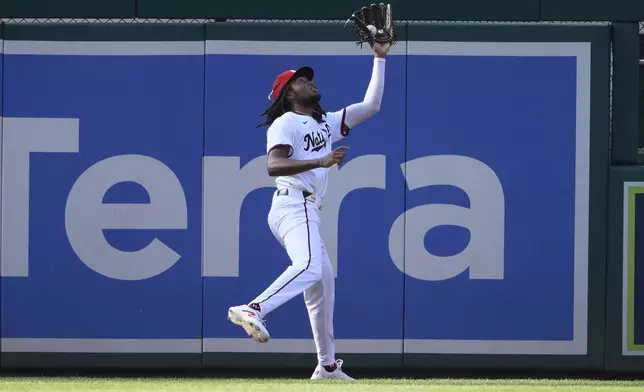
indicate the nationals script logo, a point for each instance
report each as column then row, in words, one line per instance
column 315, row 141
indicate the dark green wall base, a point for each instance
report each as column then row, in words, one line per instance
column 298, row 361
column 101, row 361
column 504, row 362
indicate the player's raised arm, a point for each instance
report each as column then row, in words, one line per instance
column 374, row 25
column 361, row 111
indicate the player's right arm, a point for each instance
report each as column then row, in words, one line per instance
column 279, row 163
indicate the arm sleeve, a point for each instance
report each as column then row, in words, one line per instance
column 280, row 134
column 342, row 121
column 370, row 105
column 334, row 121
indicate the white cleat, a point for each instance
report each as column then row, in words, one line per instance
column 320, row 373
column 251, row 320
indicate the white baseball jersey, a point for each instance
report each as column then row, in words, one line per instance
column 307, row 139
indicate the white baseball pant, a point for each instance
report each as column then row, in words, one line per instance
column 295, row 222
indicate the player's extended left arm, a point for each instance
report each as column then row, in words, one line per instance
column 370, row 105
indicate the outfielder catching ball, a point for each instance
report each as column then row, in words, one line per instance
column 299, row 140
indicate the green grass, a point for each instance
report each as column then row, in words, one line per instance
column 291, row 385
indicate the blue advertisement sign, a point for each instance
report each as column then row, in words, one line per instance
column 366, row 194
column 135, row 202
column 497, row 204
column 102, row 188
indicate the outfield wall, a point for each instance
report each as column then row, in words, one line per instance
column 467, row 228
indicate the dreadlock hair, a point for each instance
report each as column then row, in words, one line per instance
column 282, row 105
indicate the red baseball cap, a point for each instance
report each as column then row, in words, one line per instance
column 285, row 77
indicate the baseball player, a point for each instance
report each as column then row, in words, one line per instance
column 299, row 147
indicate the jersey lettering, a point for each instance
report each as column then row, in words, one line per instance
column 315, row 141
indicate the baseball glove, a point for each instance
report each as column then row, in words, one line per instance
column 374, row 24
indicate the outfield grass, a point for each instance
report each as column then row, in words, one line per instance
column 290, row 385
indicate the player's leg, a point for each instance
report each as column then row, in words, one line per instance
column 299, row 232
column 320, row 302
column 302, row 244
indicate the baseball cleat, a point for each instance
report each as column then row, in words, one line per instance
column 251, row 321
column 321, row 373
